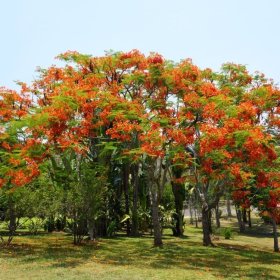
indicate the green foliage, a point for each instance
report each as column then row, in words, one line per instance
column 35, row 225
column 228, row 233
column 99, row 116
column 240, row 137
column 112, row 228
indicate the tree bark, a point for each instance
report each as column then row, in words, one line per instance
column 244, row 216
column 91, row 229
column 179, row 196
column 241, row 223
column 191, row 211
column 196, row 218
column 12, row 218
column 210, row 221
column 229, row 214
column 217, row 215
column 249, row 218
column 126, row 194
column 275, row 235
column 135, row 220
column 206, row 225
column 155, row 216
column 12, row 221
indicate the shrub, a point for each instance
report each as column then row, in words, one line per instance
column 228, row 233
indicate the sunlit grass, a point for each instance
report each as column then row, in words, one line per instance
column 52, row 256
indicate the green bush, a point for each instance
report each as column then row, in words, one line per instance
column 35, row 225
column 111, row 229
column 228, row 233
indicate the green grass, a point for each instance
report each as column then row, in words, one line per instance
column 52, row 256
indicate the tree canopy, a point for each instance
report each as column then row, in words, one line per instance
column 130, row 123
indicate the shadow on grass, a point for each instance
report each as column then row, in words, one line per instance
column 223, row 260
column 182, row 253
column 55, row 249
column 258, row 229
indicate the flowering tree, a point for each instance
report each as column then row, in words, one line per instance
column 145, row 115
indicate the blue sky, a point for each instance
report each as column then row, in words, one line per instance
column 210, row 32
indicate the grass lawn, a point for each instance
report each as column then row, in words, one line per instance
column 52, row 256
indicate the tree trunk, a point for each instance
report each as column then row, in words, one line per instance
column 241, row 223
column 249, row 218
column 217, row 215
column 275, row 236
column 196, row 218
column 91, row 230
column 206, row 228
column 244, row 216
column 12, row 218
column 75, row 230
column 155, row 216
column 229, row 214
column 191, row 211
column 210, row 221
column 179, row 196
column 126, row 194
column 135, row 220
column 12, row 221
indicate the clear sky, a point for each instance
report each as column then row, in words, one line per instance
column 210, row 32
